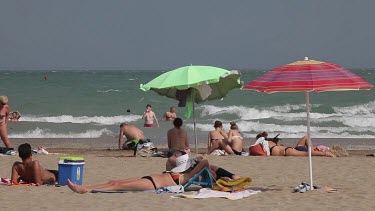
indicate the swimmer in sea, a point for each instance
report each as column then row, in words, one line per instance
column 149, row 117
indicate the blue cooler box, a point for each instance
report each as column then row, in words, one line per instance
column 71, row 168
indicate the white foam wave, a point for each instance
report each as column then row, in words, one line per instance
column 100, row 120
column 40, row 133
column 109, row 90
column 367, row 108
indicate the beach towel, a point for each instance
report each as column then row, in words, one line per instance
column 205, row 193
column 168, row 189
column 232, row 185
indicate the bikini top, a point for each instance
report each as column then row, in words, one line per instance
column 234, row 137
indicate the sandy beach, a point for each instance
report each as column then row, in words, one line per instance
column 275, row 176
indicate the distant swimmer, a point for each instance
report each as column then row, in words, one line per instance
column 149, row 117
column 170, row 115
column 45, row 77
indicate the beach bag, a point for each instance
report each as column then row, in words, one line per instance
column 232, row 185
column 257, row 150
column 144, row 148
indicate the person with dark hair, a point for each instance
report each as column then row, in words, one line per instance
column 180, row 175
column 132, row 134
column 170, row 115
column 149, row 117
column 29, row 170
column 177, row 136
column 235, row 139
column 218, row 140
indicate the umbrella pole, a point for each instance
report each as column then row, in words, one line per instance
column 195, row 129
column 308, row 137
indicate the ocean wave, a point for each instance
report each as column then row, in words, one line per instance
column 109, row 90
column 368, row 108
column 46, row 133
column 100, row 120
column 352, row 116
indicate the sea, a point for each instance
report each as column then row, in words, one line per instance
column 92, row 104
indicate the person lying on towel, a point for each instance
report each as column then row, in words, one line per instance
column 29, row 170
column 179, row 175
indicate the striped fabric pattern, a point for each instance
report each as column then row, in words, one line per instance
column 308, row 76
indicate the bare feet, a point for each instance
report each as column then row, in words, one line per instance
column 76, row 188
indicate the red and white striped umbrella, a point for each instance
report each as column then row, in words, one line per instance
column 307, row 76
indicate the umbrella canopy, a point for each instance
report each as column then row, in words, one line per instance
column 221, row 81
column 203, row 83
column 306, row 76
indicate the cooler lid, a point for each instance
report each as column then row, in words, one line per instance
column 72, row 159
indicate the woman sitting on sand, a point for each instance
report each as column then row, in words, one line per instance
column 235, row 139
column 217, row 172
column 217, row 140
column 280, row 150
column 179, row 175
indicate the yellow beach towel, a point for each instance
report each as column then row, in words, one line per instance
column 232, row 185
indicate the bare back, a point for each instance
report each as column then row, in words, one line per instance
column 32, row 172
column 178, row 138
column 131, row 132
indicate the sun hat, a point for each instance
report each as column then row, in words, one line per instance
column 182, row 164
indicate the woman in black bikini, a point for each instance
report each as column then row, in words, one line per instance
column 179, row 175
column 280, row 150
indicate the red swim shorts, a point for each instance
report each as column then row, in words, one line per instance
column 148, row 125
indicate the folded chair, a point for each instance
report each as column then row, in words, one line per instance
column 203, row 178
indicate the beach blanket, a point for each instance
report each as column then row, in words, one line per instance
column 205, row 193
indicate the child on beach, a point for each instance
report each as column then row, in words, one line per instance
column 149, row 117
column 29, row 170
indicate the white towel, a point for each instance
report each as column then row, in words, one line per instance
column 208, row 193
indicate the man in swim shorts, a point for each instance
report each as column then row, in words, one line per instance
column 132, row 134
column 149, row 117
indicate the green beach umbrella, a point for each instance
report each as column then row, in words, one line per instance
column 197, row 84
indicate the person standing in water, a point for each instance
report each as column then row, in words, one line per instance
column 149, row 117
column 170, row 115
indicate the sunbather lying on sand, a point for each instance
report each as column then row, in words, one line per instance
column 298, row 150
column 217, row 172
column 179, row 175
column 29, row 170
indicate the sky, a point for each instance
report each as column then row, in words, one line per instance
column 166, row 34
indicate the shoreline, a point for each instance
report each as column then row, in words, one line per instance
column 108, row 146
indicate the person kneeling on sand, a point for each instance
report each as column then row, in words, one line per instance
column 217, row 172
column 179, row 175
column 29, row 170
column 132, row 134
